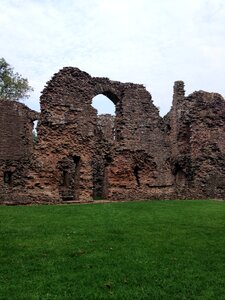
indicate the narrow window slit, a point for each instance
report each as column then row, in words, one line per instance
column 137, row 175
column 8, row 177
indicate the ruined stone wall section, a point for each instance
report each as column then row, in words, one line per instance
column 70, row 121
column 16, row 124
column 66, row 130
column 140, row 117
column 71, row 92
column 135, row 154
column 16, row 150
column 106, row 127
column 197, row 131
column 177, row 113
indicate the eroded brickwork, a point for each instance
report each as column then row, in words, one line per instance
column 16, row 149
column 197, row 132
column 135, row 154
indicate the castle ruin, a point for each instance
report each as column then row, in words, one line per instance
column 135, row 154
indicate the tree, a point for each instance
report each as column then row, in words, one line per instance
column 12, row 85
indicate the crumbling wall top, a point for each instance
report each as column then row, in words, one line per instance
column 16, row 124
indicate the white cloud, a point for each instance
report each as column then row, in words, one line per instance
column 144, row 41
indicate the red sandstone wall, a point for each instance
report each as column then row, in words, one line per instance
column 16, row 149
column 69, row 127
column 15, row 130
column 197, row 132
column 134, row 155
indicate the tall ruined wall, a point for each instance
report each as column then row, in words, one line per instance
column 16, row 148
column 197, row 133
column 140, row 166
column 132, row 164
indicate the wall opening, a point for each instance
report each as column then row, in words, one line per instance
column 70, row 178
column 107, row 105
column 180, row 177
column 103, row 105
column 76, row 160
column 105, row 136
column 98, row 181
column 65, row 178
column 34, row 132
column 8, row 177
column 101, row 166
column 105, row 118
column 137, row 175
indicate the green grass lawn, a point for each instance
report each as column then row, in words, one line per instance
column 133, row 250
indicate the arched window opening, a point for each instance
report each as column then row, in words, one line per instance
column 103, row 105
column 106, row 117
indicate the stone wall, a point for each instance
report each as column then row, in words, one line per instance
column 135, row 154
column 196, row 132
column 16, row 124
column 108, row 148
column 16, row 148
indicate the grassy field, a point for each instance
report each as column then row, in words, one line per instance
column 135, row 250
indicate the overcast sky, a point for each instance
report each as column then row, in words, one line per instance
column 153, row 42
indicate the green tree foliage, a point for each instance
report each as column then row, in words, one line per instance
column 12, row 85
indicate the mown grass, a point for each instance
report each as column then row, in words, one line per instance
column 136, row 250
